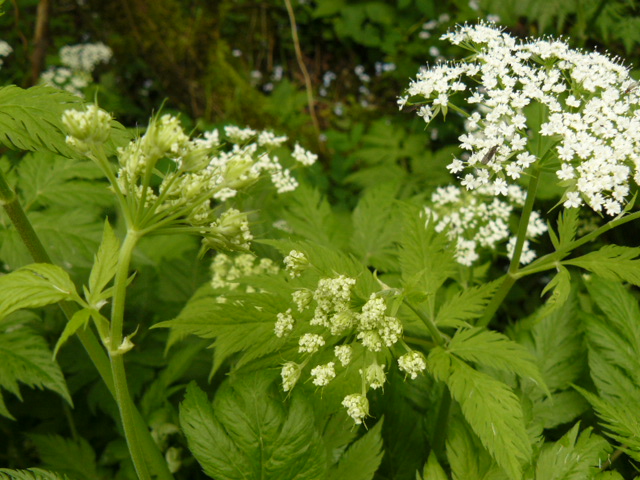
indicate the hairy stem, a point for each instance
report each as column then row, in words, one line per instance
column 511, row 276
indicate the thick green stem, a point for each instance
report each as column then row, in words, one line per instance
column 123, row 398
column 435, row 333
column 511, row 276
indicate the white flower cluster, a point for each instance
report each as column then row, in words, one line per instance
column 198, row 172
column 367, row 331
column 476, row 220
column 78, row 62
column 226, row 269
column 295, row 263
column 590, row 110
column 5, row 50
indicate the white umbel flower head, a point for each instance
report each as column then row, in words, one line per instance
column 86, row 128
column 290, row 374
column 412, row 363
column 323, row 374
column 357, row 407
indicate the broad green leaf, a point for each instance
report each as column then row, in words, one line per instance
column 30, row 474
column 466, row 305
column 105, row 264
column 426, row 258
column 495, row 350
column 72, row 457
column 249, row 433
column 572, row 457
column 467, row 457
column 78, row 320
column 362, row 459
column 432, row 470
column 376, row 227
column 492, row 410
column 26, row 358
column 612, row 262
column 35, row 285
column 49, row 180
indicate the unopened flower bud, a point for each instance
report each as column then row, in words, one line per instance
column 86, row 128
column 164, row 137
column 412, row 363
column 295, row 263
column 357, row 406
column 374, row 376
column 290, row 374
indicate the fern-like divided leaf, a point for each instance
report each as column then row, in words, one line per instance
column 31, row 119
column 30, row 474
column 491, row 409
column 363, row 457
column 612, row 262
column 614, row 361
column 249, row 434
column 75, row 458
column 26, row 358
column 467, row 305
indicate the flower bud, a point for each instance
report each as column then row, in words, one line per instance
column 374, row 376
column 290, row 374
column 357, row 407
column 87, row 128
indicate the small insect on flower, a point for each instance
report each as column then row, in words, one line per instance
column 631, row 88
column 489, row 155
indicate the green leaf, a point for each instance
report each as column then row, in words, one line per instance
column 466, row 305
column 72, row 457
column 31, row 119
column 560, row 408
column 25, row 358
column 492, row 410
column 105, row 264
column 426, row 258
column 78, row 320
column 495, row 350
column 30, row 474
column 376, row 227
column 33, row 286
column 612, row 262
column 362, row 459
column 567, row 227
column 561, row 285
column 249, row 434
column 432, row 470
column 572, row 457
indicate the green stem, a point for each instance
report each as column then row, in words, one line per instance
column 440, row 428
column 123, row 397
column 511, row 276
column 435, row 333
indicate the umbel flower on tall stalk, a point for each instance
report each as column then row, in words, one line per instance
column 537, row 103
column 167, row 181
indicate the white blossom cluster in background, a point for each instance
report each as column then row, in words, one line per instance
column 5, row 51
column 590, row 114
column 368, row 332
column 78, row 63
column 226, row 269
column 203, row 172
column 477, row 221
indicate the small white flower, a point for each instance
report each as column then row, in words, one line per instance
column 284, row 324
column 310, row 343
column 290, row 374
column 343, row 354
column 323, row 374
column 412, row 364
column 357, row 407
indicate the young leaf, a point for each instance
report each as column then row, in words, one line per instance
column 105, row 264
column 432, row 470
column 249, row 434
column 572, row 457
column 30, row 474
column 33, row 286
column 495, row 350
column 466, row 305
column 25, row 357
column 561, row 285
column 567, row 226
column 79, row 319
column 612, row 262
column 362, row 459
column 75, row 458
column 490, row 407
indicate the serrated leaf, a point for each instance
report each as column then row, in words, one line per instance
column 466, row 305
column 35, row 285
column 561, row 285
column 491, row 409
column 78, row 320
column 26, row 358
column 363, row 457
column 47, row 179
column 30, row 474
column 376, row 227
column 495, row 350
column 612, row 262
column 31, row 119
column 72, row 457
column 426, row 258
column 560, row 408
column 249, row 434
column 105, row 264
column 568, row 221
column 572, row 457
